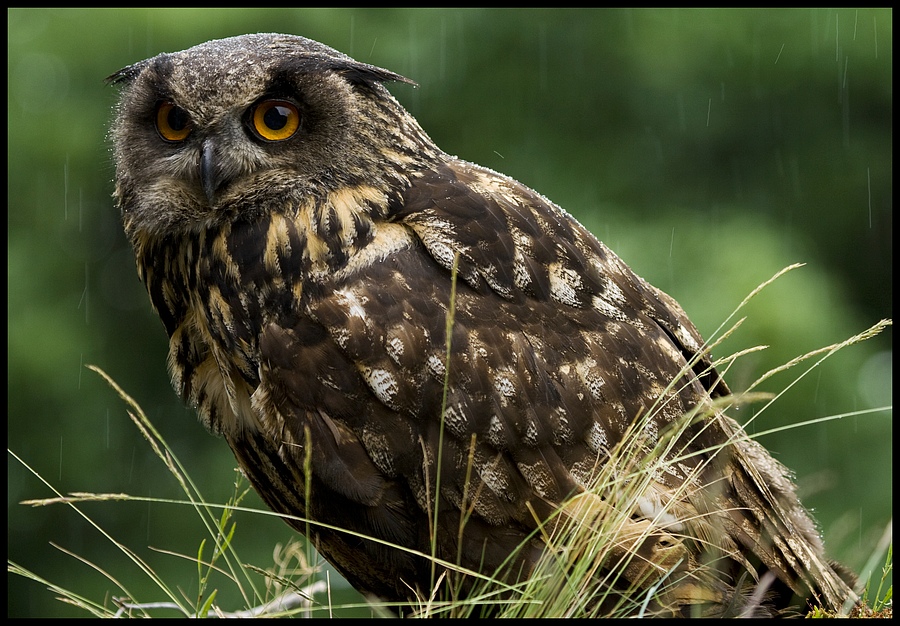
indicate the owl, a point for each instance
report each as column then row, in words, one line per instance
column 430, row 370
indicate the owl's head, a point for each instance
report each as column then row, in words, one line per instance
column 251, row 124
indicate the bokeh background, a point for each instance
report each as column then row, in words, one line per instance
column 708, row 148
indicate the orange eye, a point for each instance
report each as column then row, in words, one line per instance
column 276, row 120
column 173, row 123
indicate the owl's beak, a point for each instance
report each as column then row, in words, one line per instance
column 212, row 177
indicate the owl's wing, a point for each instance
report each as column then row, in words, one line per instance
column 555, row 349
column 515, row 242
column 519, row 244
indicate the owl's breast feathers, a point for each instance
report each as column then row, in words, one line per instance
column 318, row 338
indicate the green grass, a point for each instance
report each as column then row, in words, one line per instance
column 591, row 539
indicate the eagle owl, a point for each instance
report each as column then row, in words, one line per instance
column 431, row 368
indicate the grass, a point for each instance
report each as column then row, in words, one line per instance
column 591, row 539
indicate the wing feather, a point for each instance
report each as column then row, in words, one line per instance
column 557, row 350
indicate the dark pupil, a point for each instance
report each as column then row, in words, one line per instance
column 276, row 118
column 178, row 119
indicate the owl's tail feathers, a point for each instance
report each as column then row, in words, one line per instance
column 771, row 523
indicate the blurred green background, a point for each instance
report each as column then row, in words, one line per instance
column 708, row 148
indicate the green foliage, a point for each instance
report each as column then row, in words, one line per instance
column 881, row 598
column 223, row 565
column 708, row 148
column 592, row 539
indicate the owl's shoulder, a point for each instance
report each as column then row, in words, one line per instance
column 507, row 239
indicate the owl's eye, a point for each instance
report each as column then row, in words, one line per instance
column 173, row 123
column 275, row 120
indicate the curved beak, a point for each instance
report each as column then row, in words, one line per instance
column 212, row 177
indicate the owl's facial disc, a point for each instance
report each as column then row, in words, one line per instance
column 269, row 121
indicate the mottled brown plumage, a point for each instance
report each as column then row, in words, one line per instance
column 299, row 235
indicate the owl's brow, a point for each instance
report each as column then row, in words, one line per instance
column 126, row 74
column 353, row 71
